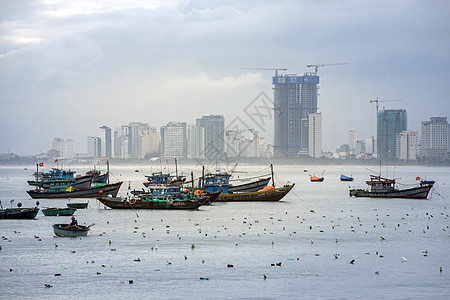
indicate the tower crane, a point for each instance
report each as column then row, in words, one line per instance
column 316, row 67
column 265, row 69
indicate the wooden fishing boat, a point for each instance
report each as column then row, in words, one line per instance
column 146, row 202
column 249, row 187
column 78, row 205
column 379, row 187
column 92, row 192
column 65, row 231
column 345, row 178
column 269, row 194
column 55, row 211
column 19, row 213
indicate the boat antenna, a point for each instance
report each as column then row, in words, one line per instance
column 273, row 178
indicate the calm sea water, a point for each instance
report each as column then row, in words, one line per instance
column 398, row 246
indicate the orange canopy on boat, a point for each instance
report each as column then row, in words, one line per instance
column 315, row 178
column 267, row 188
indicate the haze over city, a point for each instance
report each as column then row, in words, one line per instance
column 68, row 68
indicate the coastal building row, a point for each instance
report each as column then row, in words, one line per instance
column 395, row 141
column 206, row 139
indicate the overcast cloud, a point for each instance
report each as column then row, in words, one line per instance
column 69, row 67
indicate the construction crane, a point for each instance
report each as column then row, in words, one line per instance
column 265, row 69
column 377, row 101
column 316, row 67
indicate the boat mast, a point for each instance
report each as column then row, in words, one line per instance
column 176, row 168
column 192, row 179
column 273, row 180
column 107, row 170
column 203, row 177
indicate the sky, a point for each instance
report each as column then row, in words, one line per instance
column 69, row 67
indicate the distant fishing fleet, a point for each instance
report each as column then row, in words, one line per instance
column 173, row 191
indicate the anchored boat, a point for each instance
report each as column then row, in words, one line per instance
column 380, row 187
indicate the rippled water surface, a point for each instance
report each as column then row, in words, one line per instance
column 300, row 247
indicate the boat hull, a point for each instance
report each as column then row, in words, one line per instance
column 92, row 192
column 249, row 187
column 118, row 203
column 61, row 230
column 19, row 213
column 79, row 205
column 269, row 195
column 420, row 192
column 54, row 212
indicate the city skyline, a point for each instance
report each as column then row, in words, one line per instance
column 67, row 68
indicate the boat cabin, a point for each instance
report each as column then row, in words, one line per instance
column 380, row 184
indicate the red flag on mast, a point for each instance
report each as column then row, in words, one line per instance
column 56, row 160
column 41, row 164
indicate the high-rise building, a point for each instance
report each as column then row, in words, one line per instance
column 390, row 123
column 121, row 142
column 94, row 146
column 190, row 141
column 149, row 142
column 173, row 140
column 246, row 143
column 352, row 140
column 63, row 148
column 406, row 146
column 295, row 97
column 105, row 136
column 434, row 138
column 315, row 135
column 209, row 137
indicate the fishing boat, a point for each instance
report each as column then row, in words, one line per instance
column 64, row 230
column 97, row 176
column 380, row 187
column 425, row 181
column 220, row 182
column 55, row 211
column 19, row 213
column 316, row 179
column 91, row 192
column 345, row 178
column 269, row 193
column 149, row 201
column 78, row 205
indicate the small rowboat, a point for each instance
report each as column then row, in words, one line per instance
column 78, row 205
column 54, row 211
column 79, row 230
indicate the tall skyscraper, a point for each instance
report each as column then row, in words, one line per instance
column 315, row 135
column 434, row 138
column 174, row 140
column 209, row 137
column 106, row 141
column 94, row 146
column 390, row 123
column 295, row 98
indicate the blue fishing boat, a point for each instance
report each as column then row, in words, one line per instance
column 346, row 178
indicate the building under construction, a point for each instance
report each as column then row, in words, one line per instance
column 295, row 97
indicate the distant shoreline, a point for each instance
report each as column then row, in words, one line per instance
column 31, row 161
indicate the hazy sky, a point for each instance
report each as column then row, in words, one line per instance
column 68, row 67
